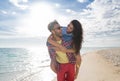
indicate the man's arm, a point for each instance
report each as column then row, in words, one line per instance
column 51, row 41
column 52, row 54
column 51, row 51
column 61, row 48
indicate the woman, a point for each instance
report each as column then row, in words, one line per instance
column 73, row 32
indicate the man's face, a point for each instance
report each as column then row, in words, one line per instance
column 69, row 28
column 57, row 30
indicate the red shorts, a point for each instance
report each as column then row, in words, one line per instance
column 66, row 72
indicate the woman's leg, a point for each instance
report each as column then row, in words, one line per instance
column 78, row 63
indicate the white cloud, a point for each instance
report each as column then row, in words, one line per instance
column 25, row 0
column 13, row 13
column 102, row 42
column 3, row 11
column 70, row 11
column 5, row 33
column 22, row 42
column 17, row 3
column 57, row 5
column 82, row 1
column 102, row 15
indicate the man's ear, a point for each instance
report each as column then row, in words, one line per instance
column 53, row 32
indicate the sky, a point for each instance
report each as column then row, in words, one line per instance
column 24, row 22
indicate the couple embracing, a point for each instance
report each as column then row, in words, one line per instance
column 64, row 46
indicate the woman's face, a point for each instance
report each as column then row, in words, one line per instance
column 69, row 28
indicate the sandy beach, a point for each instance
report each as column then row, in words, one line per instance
column 102, row 65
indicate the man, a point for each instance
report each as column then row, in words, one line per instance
column 64, row 59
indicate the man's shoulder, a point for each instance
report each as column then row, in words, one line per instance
column 47, row 43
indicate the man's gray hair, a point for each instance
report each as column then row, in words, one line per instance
column 51, row 25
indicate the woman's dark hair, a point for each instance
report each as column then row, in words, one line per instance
column 77, row 35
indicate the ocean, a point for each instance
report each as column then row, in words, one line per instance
column 20, row 64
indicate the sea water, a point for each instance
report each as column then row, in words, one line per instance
column 19, row 64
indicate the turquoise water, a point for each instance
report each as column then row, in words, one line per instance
column 18, row 59
column 20, row 63
column 17, row 64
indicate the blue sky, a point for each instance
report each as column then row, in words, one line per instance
column 22, row 20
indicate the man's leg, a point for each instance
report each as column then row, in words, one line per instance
column 61, row 74
column 71, row 72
